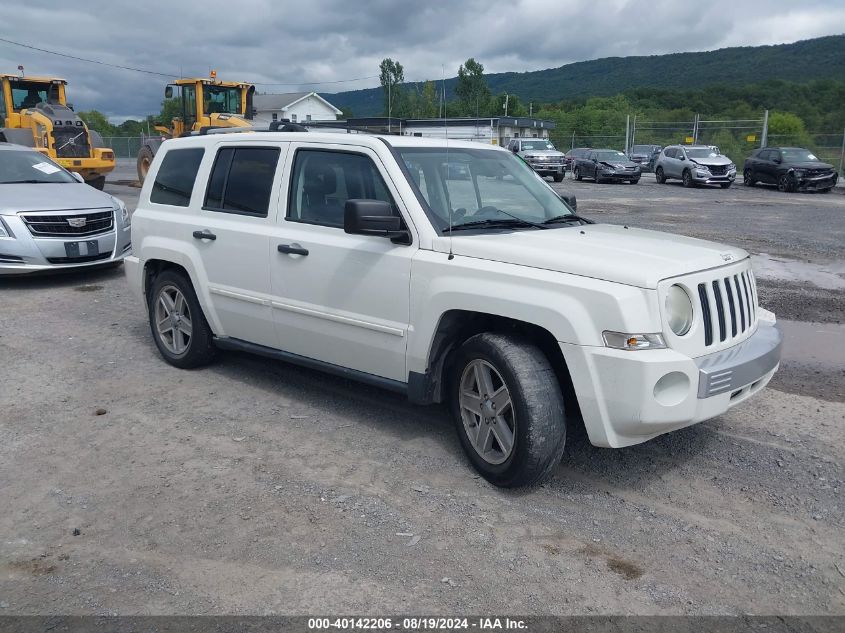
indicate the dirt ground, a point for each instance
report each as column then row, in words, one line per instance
column 256, row 487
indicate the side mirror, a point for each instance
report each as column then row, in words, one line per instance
column 682, row 157
column 168, row 92
column 595, row 160
column 777, row 160
column 69, row 106
column 77, row 177
column 373, row 217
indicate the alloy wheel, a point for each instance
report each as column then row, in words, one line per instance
column 487, row 412
column 173, row 320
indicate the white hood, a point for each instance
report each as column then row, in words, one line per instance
column 635, row 257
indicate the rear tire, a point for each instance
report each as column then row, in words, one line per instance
column 177, row 323
column 687, row 179
column 508, row 409
column 145, row 159
column 660, row 176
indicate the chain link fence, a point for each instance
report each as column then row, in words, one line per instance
column 735, row 138
column 124, row 146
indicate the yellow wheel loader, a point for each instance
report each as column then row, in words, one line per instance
column 34, row 112
column 205, row 103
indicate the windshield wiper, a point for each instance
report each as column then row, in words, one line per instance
column 492, row 223
column 567, row 217
column 25, row 182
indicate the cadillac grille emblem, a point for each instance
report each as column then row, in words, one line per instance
column 77, row 223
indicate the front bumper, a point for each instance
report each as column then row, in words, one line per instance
column 548, row 168
column 629, row 397
column 25, row 253
column 713, row 179
column 815, row 183
column 619, row 174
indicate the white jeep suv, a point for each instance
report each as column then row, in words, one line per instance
column 448, row 271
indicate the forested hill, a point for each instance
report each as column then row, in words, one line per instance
column 820, row 58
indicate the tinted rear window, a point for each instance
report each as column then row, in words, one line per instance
column 242, row 180
column 175, row 178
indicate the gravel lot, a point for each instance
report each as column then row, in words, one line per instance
column 257, row 487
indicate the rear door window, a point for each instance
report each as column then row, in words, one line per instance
column 241, row 180
column 174, row 181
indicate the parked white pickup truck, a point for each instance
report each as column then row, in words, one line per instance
column 449, row 272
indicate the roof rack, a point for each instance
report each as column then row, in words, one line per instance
column 275, row 126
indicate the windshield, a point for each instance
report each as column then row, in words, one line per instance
column 610, row 155
column 23, row 166
column 526, row 145
column 28, row 94
column 479, row 184
column 221, row 99
column 798, row 156
column 701, row 152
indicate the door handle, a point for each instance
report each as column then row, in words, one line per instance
column 205, row 234
column 290, row 249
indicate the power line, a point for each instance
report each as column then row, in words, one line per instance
column 160, row 74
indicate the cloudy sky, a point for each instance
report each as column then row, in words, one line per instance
column 327, row 41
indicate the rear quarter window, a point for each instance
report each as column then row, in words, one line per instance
column 175, row 178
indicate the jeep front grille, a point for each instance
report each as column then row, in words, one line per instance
column 69, row 224
column 728, row 307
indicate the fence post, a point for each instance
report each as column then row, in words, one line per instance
column 627, row 133
column 764, row 141
column 695, row 130
column 842, row 154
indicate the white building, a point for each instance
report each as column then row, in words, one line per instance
column 298, row 107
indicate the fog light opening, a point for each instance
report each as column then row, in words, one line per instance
column 672, row 389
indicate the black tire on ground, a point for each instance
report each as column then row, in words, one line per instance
column 747, row 180
column 577, row 174
column 785, row 184
column 725, row 185
column 145, row 159
column 634, row 181
column 828, row 190
column 688, row 179
column 199, row 349
column 660, row 176
column 559, row 176
column 98, row 183
column 536, row 409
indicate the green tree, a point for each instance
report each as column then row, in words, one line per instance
column 170, row 109
column 471, row 89
column 429, row 106
column 98, row 121
column 391, row 76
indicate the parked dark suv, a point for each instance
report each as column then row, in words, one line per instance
column 645, row 155
column 790, row 168
column 574, row 154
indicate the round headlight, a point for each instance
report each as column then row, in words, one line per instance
column 679, row 310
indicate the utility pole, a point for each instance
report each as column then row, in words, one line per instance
column 389, row 103
column 506, row 104
column 842, row 154
column 530, row 109
column 627, row 133
column 695, row 130
column 764, row 140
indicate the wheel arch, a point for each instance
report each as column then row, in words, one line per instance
column 456, row 326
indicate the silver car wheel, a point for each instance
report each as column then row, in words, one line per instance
column 487, row 412
column 173, row 320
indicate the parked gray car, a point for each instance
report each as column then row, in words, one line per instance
column 541, row 155
column 50, row 219
column 695, row 165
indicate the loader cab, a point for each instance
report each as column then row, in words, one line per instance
column 201, row 99
column 27, row 93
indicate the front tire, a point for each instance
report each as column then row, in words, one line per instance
column 687, row 180
column 177, row 323
column 558, row 177
column 660, row 176
column 785, row 184
column 725, row 185
column 577, row 174
column 747, row 178
column 508, row 409
column 98, row 183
